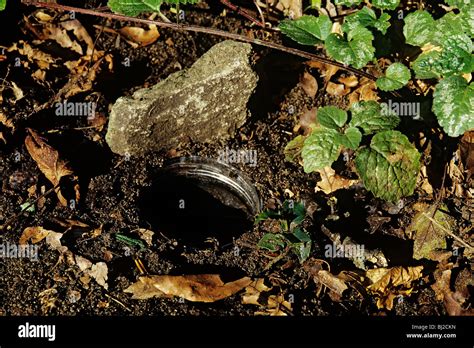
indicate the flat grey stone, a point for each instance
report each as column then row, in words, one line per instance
column 205, row 103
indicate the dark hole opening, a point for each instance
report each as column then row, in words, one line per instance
column 192, row 210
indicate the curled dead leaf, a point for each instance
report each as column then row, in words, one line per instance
column 49, row 162
column 195, row 288
column 388, row 283
column 309, row 84
column 253, row 291
column 337, row 90
column 141, row 36
column 331, row 182
column 367, row 90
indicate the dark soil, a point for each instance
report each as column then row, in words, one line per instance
column 112, row 190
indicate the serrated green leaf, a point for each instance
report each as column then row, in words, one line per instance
column 456, row 56
column 293, row 149
column 366, row 17
column 459, row 3
column 453, row 105
column 448, row 25
column 419, row 28
column 386, row 4
column 423, row 66
column 332, row 117
column 467, row 18
column 134, row 7
column 321, row 149
column 351, row 138
column 396, row 76
column 354, row 49
column 349, row 3
column 373, row 117
column 390, row 166
column 273, row 242
column 3, row 4
column 307, row 30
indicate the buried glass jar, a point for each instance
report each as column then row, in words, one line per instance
column 194, row 198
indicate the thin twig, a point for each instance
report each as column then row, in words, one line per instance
column 242, row 12
column 210, row 31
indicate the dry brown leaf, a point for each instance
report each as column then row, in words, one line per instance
column 82, row 263
column 425, row 183
column 337, row 90
column 99, row 272
column 17, row 92
column 33, row 234
column 140, row 35
column 331, row 182
column 335, row 284
column 6, row 122
column 309, row 84
column 146, row 235
column 441, row 286
column 388, row 283
column 48, row 161
column 307, row 121
column 195, row 288
column 276, row 306
column 349, row 81
column 80, row 32
column 327, row 70
column 253, row 291
column 367, row 90
column 43, row 60
column 60, row 35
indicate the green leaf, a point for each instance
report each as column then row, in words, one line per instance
column 265, row 215
column 430, row 236
column 293, row 149
column 456, row 56
column 467, row 18
column 134, row 7
column 448, row 25
column 396, row 76
column 419, row 28
column 321, row 149
column 386, row 4
column 332, row 117
column 301, row 235
column 366, row 17
column 307, row 30
column 423, row 66
column 354, row 49
column 273, row 242
column 351, row 138
column 453, row 105
column 131, row 7
column 301, row 250
column 349, row 3
column 390, row 167
column 3, row 4
column 373, row 117
column 459, row 3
